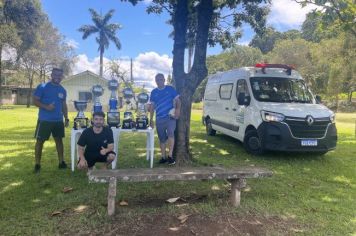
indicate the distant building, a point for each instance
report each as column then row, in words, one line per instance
column 79, row 88
column 14, row 95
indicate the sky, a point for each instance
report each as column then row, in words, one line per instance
column 144, row 37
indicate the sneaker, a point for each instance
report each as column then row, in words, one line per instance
column 171, row 161
column 37, row 168
column 163, row 160
column 62, row 165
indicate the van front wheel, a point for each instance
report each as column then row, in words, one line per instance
column 209, row 128
column 253, row 143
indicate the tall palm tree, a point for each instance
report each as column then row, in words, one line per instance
column 106, row 32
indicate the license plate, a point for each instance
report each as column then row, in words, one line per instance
column 309, row 142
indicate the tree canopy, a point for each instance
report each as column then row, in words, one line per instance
column 208, row 22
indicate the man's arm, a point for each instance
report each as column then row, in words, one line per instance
column 152, row 112
column 65, row 113
column 110, row 148
column 38, row 103
column 82, row 162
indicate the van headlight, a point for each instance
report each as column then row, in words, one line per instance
column 332, row 118
column 272, row 116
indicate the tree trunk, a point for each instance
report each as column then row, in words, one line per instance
column 180, row 19
column 351, row 96
column 182, row 148
column 190, row 57
column 186, row 84
column 29, row 94
column 101, row 61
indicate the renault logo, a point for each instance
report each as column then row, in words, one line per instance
column 309, row 119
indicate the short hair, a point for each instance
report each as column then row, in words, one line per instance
column 159, row 75
column 99, row 113
column 57, row 69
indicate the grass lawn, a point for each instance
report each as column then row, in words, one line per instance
column 308, row 195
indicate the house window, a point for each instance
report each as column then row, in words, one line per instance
column 85, row 96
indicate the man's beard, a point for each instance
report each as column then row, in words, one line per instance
column 98, row 125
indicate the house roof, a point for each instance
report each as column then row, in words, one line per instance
column 84, row 73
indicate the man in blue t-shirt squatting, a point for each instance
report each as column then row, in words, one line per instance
column 165, row 101
column 51, row 97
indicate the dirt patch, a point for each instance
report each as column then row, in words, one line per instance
column 195, row 224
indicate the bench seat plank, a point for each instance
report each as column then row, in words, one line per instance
column 237, row 176
column 176, row 173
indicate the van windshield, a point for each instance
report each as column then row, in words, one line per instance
column 272, row 89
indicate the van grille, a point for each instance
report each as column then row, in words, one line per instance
column 301, row 129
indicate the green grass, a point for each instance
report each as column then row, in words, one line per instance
column 316, row 192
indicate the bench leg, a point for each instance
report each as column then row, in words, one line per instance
column 111, row 196
column 236, row 186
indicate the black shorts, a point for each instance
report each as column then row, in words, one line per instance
column 93, row 158
column 44, row 129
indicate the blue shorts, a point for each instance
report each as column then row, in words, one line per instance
column 165, row 128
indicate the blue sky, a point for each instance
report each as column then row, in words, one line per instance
column 140, row 32
column 143, row 37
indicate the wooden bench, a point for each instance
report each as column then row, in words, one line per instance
column 236, row 176
column 6, row 107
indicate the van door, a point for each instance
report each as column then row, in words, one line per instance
column 223, row 106
column 238, row 107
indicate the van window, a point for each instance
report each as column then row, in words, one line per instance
column 242, row 88
column 225, row 91
column 275, row 89
column 211, row 92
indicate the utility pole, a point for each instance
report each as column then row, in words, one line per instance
column 131, row 78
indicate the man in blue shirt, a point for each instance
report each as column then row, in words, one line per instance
column 50, row 97
column 165, row 101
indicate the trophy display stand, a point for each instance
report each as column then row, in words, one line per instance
column 142, row 118
column 80, row 121
column 113, row 115
column 75, row 134
column 128, row 121
column 97, row 91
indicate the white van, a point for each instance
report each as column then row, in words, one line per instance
column 268, row 107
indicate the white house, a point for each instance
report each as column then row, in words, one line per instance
column 79, row 87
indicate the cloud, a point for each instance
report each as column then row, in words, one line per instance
column 72, row 43
column 145, row 67
column 288, row 14
column 244, row 42
column 147, row 2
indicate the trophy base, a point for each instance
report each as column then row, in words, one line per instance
column 80, row 123
column 142, row 123
column 113, row 119
column 128, row 124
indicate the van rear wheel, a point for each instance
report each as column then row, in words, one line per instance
column 253, row 143
column 209, row 128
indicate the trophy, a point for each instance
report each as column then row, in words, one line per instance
column 80, row 121
column 128, row 122
column 142, row 119
column 113, row 119
column 97, row 91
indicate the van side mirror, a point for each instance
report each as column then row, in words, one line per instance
column 242, row 99
column 318, row 99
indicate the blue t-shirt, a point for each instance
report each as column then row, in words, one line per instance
column 51, row 93
column 163, row 100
